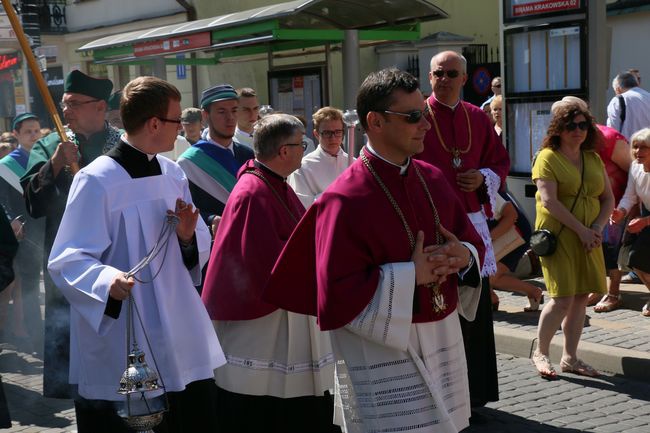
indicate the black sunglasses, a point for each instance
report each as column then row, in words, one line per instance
column 571, row 126
column 451, row 73
column 411, row 116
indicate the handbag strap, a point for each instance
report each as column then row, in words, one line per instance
column 582, row 179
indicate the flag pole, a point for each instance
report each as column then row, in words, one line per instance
column 36, row 73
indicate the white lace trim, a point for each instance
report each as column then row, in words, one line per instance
column 480, row 224
column 493, row 183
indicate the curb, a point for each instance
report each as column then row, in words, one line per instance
column 632, row 364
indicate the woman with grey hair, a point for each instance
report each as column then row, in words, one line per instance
column 637, row 191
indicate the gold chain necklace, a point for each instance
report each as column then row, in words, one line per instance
column 456, row 160
column 437, row 298
column 275, row 193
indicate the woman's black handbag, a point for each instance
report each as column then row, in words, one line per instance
column 543, row 242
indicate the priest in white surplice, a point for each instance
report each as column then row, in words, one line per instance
column 379, row 258
column 115, row 213
column 320, row 167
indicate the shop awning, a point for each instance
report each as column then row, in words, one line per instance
column 291, row 25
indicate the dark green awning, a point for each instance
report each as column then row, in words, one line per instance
column 291, row 25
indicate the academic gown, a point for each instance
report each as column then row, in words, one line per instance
column 279, row 363
column 212, row 172
column 29, row 259
column 130, row 196
column 353, row 270
column 485, row 153
column 45, row 197
column 317, row 171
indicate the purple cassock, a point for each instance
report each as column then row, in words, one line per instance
column 254, row 227
column 466, row 133
column 330, row 266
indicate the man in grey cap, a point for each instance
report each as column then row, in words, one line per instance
column 46, row 184
column 191, row 123
column 211, row 164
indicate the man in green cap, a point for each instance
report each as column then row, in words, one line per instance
column 46, row 184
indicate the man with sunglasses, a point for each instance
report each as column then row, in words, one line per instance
column 463, row 144
column 320, row 167
column 386, row 287
column 212, row 163
column 279, row 365
column 46, row 184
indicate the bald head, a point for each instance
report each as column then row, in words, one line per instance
column 448, row 75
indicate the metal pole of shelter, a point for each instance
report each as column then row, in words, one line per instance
column 598, row 61
column 351, row 74
column 159, row 68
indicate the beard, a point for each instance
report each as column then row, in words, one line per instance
column 218, row 134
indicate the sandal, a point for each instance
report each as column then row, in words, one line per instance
column 646, row 310
column 608, row 303
column 543, row 366
column 533, row 304
column 578, row 367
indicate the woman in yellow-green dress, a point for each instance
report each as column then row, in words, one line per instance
column 577, row 267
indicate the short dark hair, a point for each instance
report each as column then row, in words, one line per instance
column 376, row 91
column 271, row 130
column 626, row 80
column 246, row 92
column 144, row 98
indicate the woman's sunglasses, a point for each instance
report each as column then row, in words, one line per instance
column 571, row 126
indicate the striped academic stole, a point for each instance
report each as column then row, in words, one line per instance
column 11, row 171
column 210, row 167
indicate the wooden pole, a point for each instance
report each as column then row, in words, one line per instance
column 36, row 73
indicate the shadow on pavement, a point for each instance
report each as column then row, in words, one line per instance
column 496, row 421
column 28, row 407
column 636, row 389
column 11, row 362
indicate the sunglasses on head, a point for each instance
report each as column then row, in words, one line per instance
column 571, row 126
column 410, row 117
column 451, row 73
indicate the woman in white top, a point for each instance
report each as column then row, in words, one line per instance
column 638, row 191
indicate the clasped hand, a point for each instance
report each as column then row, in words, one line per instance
column 590, row 238
column 470, row 180
column 434, row 262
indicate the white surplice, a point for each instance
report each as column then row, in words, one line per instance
column 110, row 223
column 398, row 375
column 317, row 172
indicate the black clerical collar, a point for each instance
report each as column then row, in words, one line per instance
column 135, row 162
column 267, row 170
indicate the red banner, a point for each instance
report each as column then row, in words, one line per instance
column 544, row 7
column 172, row 45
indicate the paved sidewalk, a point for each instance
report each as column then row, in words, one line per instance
column 618, row 341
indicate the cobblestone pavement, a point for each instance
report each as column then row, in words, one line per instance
column 609, row 404
column 624, row 328
column 528, row 403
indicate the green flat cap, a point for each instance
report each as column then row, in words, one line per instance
column 21, row 118
column 78, row 82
